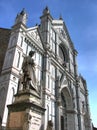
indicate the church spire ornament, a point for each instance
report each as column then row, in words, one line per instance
column 21, row 17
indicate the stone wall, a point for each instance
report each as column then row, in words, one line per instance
column 4, row 39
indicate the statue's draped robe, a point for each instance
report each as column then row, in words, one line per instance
column 28, row 67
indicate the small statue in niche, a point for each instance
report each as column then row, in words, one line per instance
column 50, row 125
column 29, row 78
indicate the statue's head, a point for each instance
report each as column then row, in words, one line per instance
column 50, row 123
column 31, row 53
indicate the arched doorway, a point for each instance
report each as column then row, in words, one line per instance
column 64, row 107
column 66, row 110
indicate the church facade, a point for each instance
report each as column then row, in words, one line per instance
column 63, row 91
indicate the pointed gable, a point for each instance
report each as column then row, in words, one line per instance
column 60, row 27
column 35, row 34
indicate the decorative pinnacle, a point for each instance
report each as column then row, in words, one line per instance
column 60, row 17
column 23, row 12
column 46, row 10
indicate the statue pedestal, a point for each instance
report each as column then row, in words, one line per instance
column 26, row 112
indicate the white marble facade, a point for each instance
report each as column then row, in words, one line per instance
column 64, row 92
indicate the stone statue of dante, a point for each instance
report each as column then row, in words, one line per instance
column 28, row 67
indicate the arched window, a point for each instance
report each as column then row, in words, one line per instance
column 18, row 59
column 63, row 54
column 11, row 96
column 13, row 41
column 63, row 100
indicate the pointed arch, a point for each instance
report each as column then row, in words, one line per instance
column 64, row 84
column 66, row 93
column 63, row 53
column 66, row 105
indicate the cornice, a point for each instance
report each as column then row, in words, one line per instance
column 35, row 43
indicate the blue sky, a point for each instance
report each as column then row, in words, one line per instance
column 80, row 17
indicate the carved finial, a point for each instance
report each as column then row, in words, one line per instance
column 36, row 24
column 21, row 17
column 23, row 12
column 46, row 10
column 60, row 18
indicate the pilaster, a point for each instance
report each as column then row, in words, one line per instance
column 78, row 103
